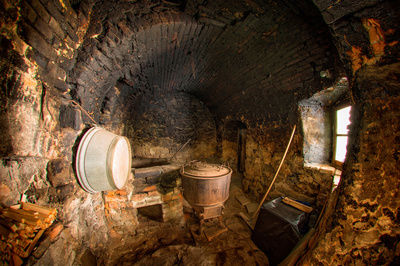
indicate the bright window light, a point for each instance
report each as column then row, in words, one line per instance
column 342, row 123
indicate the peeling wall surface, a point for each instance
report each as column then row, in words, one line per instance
column 164, row 72
column 364, row 226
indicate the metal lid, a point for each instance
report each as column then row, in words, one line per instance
column 203, row 169
column 120, row 161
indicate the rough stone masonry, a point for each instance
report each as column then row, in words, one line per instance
column 162, row 72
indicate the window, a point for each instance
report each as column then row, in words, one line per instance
column 342, row 121
column 325, row 118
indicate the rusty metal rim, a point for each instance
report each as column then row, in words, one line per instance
column 210, row 205
column 181, row 171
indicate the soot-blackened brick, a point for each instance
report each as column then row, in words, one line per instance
column 35, row 39
column 28, row 13
column 56, row 28
column 59, row 172
column 44, row 28
column 70, row 117
column 40, row 10
column 34, row 55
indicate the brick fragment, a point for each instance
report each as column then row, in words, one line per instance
column 150, row 188
column 56, row 28
column 139, row 197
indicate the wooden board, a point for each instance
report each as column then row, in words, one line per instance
column 213, row 232
column 297, row 205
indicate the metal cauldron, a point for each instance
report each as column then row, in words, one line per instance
column 205, row 185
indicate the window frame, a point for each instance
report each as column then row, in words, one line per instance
column 336, row 108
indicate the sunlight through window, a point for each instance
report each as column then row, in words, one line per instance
column 342, row 123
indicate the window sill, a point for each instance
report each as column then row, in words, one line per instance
column 327, row 169
column 323, row 168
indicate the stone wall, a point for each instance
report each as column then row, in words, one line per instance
column 160, row 123
column 318, row 118
column 265, row 147
column 246, row 61
column 232, row 144
column 38, row 39
column 364, row 226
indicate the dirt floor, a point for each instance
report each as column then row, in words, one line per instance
column 232, row 247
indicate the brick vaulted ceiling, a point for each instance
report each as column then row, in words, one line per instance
column 253, row 59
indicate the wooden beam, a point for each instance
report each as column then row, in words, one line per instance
column 297, row 205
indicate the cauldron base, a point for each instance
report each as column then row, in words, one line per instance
column 208, row 213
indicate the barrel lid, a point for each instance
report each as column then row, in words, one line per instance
column 120, row 161
column 203, row 169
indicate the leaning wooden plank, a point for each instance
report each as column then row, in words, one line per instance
column 17, row 261
column 243, row 200
column 9, row 224
column 297, row 205
column 33, row 244
column 15, row 207
column 40, row 209
column 5, row 232
column 54, row 231
column 250, row 222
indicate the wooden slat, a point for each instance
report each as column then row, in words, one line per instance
column 21, row 218
column 17, row 261
column 297, row 205
column 30, row 214
column 35, row 240
column 5, row 232
column 10, row 224
column 37, row 208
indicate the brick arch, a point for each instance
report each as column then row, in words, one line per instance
column 122, row 55
column 226, row 65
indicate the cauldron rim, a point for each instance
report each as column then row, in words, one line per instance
column 181, row 171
